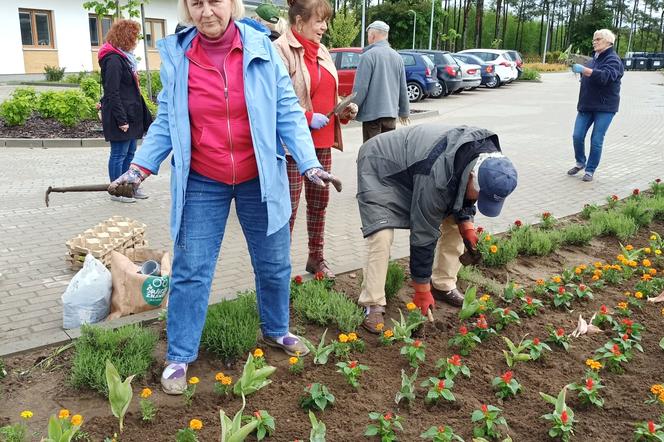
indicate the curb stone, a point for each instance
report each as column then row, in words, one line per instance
column 46, row 143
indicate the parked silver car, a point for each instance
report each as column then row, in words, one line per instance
column 471, row 74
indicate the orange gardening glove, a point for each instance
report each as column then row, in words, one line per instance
column 423, row 298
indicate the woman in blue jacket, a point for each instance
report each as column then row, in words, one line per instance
column 599, row 98
column 260, row 103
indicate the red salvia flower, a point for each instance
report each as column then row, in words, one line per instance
column 319, row 276
column 546, row 215
column 352, row 364
column 563, row 417
column 388, row 416
column 614, row 197
column 560, row 332
column 257, row 414
column 636, row 191
column 582, row 287
column 625, row 337
column 628, row 322
column 529, row 300
column 481, row 322
column 463, row 330
column 657, row 180
column 616, row 350
column 455, row 360
column 589, row 384
column 441, row 429
column 485, row 409
column 536, row 341
column 651, row 426
column 603, row 310
column 479, row 229
column 298, row 279
column 417, row 343
column 561, row 290
column 518, row 223
column 506, row 311
column 507, row 377
column 441, row 384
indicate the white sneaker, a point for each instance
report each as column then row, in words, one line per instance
column 140, row 195
column 122, row 199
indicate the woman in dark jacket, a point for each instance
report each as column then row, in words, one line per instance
column 599, row 98
column 125, row 116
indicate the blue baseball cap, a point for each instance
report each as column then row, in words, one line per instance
column 497, row 178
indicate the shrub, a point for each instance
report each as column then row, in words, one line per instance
column 54, row 73
column 530, row 74
column 473, row 276
column 129, row 348
column 70, row 107
column 155, row 79
column 91, row 88
column 588, row 209
column 542, row 242
column 315, row 302
column 152, row 107
column 25, row 93
column 16, row 110
column 394, row 280
column 613, row 223
column 506, row 251
column 641, row 215
column 576, row 234
column 655, row 205
column 45, row 104
column 231, row 327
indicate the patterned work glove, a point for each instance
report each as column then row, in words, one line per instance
column 319, row 177
column 127, row 183
column 318, row 121
column 349, row 112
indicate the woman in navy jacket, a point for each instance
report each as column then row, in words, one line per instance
column 599, row 98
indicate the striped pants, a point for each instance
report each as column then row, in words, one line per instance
column 317, row 198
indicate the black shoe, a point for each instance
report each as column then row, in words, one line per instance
column 587, row 177
column 574, row 170
column 453, row 297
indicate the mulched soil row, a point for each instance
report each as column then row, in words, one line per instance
column 38, row 127
column 45, row 391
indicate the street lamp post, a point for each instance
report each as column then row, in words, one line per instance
column 431, row 25
column 414, row 24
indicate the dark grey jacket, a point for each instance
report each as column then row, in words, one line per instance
column 413, row 178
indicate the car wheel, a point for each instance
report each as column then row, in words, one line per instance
column 458, row 91
column 414, row 91
column 437, row 91
column 495, row 82
column 446, row 90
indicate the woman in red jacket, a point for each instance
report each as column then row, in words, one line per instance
column 316, row 85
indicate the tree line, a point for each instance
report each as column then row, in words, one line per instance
column 525, row 25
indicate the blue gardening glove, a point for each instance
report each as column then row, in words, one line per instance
column 577, row 68
column 319, row 177
column 127, row 183
column 318, row 121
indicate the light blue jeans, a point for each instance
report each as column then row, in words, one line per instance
column 600, row 122
column 206, row 209
column 122, row 152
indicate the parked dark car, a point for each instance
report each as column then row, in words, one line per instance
column 421, row 78
column 448, row 72
column 516, row 56
column 488, row 75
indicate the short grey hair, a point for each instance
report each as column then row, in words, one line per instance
column 378, row 32
column 605, row 34
column 237, row 11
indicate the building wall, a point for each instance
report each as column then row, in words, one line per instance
column 70, row 35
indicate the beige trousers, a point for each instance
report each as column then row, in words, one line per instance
column 445, row 267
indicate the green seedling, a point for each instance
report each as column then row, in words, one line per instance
column 252, row 380
column 232, row 430
column 318, row 429
column 516, row 353
column 316, row 396
column 470, row 304
column 119, row 392
column 407, row 390
column 562, row 417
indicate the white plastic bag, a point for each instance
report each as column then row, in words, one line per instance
column 88, row 296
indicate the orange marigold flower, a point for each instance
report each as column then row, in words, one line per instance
column 194, row 380
column 77, row 420
column 540, row 282
column 652, row 272
column 63, row 414
column 638, row 295
column 595, row 277
column 352, row 337
column 646, row 277
column 293, row 360
column 195, row 424
column 146, row 393
column 343, row 338
column 411, row 306
column 227, row 380
column 380, row 326
column 622, row 305
column 258, row 353
column 629, row 247
column 388, row 333
column 598, row 265
column 493, row 249
column 657, row 389
column 219, row 377
column 557, row 279
column 646, row 263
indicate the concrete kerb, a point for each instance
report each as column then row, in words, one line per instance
column 46, row 143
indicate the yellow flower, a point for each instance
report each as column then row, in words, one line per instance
column 598, row 265
column 487, row 238
column 64, row 414
column 485, row 298
column 578, row 271
column 343, row 338
column 629, row 247
column 593, row 364
column 653, row 237
column 646, row 277
column 652, row 272
column 628, row 294
column 380, row 326
column 557, row 279
column 622, row 305
column 540, row 282
column 615, row 267
column 661, row 397
column 663, row 312
column 26, row 414
column 606, row 267
column 638, row 295
column 194, row 380
column 633, row 264
column 481, row 307
column 146, row 393
column 658, row 252
column 77, row 420
column 294, row 359
column 493, row 249
column 352, row 337
column 621, row 258
column 583, row 266
column 657, row 389
column 227, row 380
column 258, row 353
column 595, row 278
column 195, row 424
column 647, row 250
column 646, row 263
column 219, row 377
column 389, row 333
column 411, row 306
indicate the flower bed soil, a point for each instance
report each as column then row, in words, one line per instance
column 45, row 391
column 38, row 127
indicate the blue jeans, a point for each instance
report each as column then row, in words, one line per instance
column 122, row 152
column 207, row 204
column 600, row 122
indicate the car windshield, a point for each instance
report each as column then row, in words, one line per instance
column 428, row 62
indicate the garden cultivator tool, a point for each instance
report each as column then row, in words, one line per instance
column 127, row 191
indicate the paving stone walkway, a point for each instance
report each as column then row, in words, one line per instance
column 534, row 122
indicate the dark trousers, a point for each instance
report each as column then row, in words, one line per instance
column 376, row 127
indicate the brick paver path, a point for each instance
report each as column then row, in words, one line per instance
column 534, row 122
